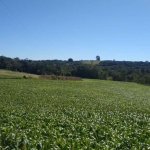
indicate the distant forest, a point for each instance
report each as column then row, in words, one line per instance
column 129, row 71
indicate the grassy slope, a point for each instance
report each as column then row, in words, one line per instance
column 15, row 74
column 90, row 62
column 89, row 114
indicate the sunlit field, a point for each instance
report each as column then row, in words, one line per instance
column 7, row 74
column 71, row 115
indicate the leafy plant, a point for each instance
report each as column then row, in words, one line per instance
column 92, row 114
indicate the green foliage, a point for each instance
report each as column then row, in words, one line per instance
column 63, row 115
column 90, row 62
column 98, row 58
column 53, row 77
column 70, row 60
column 24, row 77
column 129, row 71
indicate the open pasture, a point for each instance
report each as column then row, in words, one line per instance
column 72, row 115
column 7, row 74
column 90, row 62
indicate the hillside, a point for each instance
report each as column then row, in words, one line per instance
column 90, row 62
column 7, row 74
column 127, row 71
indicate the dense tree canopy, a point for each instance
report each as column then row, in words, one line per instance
column 98, row 58
column 70, row 60
column 107, row 70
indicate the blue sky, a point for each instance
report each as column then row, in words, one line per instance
column 79, row 29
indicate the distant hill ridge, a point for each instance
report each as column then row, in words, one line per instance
column 130, row 71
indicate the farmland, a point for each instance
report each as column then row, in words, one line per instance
column 90, row 62
column 90, row 114
column 7, row 74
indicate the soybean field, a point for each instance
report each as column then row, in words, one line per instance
column 43, row 114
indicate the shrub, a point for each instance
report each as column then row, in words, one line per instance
column 25, row 77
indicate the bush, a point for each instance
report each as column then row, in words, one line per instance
column 24, row 77
column 53, row 77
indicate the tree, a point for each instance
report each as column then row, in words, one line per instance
column 98, row 58
column 70, row 60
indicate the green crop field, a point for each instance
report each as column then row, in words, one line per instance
column 72, row 115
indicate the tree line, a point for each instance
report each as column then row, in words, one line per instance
column 129, row 71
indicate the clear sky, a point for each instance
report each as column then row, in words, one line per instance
column 78, row 29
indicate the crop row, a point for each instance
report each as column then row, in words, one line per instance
column 61, row 115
